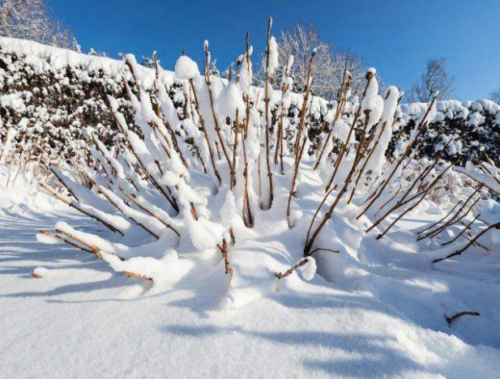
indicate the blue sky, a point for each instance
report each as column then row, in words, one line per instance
column 395, row 36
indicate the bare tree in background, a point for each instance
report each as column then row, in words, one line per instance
column 435, row 79
column 495, row 95
column 32, row 20
column 328, row 63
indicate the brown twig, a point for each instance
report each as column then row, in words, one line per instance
column 460, row 251
column 466, row 227
column 225, row 252
column 140, row 276
column 290, row 271
column 300, row 127
column 266, row 101
column 65, row 240
column 294, row 180
column 457, row 218
column 205, row 133
column 211, row 98
column 341, row 101
column 409, row 209
column 74, row 206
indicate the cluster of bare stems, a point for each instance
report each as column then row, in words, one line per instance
column 408, row 198
column 33, row 161
column 397, row 202
column 364, row 149
column 169, row 142
column 489, row 178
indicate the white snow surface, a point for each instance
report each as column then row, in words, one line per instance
column 387, row 318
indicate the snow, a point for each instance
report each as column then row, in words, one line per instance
column 372, row 103
column 204, row 233
column 47, row 239
column 82, row 312
column 384, row 132
column 488, row 180
column 286, row 73
column 273, row 56
column 246, row 72
column 475, row 120
column 186, row 68
column 231, row 102
column 309, row 269
column 57, row 57
column 43, row 58
column 41, row 271
column 341, row 131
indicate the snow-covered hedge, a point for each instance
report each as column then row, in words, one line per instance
column 473, row 127
column 55, row 95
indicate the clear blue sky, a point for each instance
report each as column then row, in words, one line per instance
column 395, row 36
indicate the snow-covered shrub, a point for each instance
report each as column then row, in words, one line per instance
column 210, row 175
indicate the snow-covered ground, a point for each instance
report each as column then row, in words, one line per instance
column 83, row 319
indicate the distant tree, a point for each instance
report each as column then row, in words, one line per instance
column 436, row 78
column 33, row 20
column 327, row 66
column 495, row 95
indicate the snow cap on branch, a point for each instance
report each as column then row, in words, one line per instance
column 186, row 68
column 309, row 269
column 273, row 56
column 232, row 100
column 246, row 72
